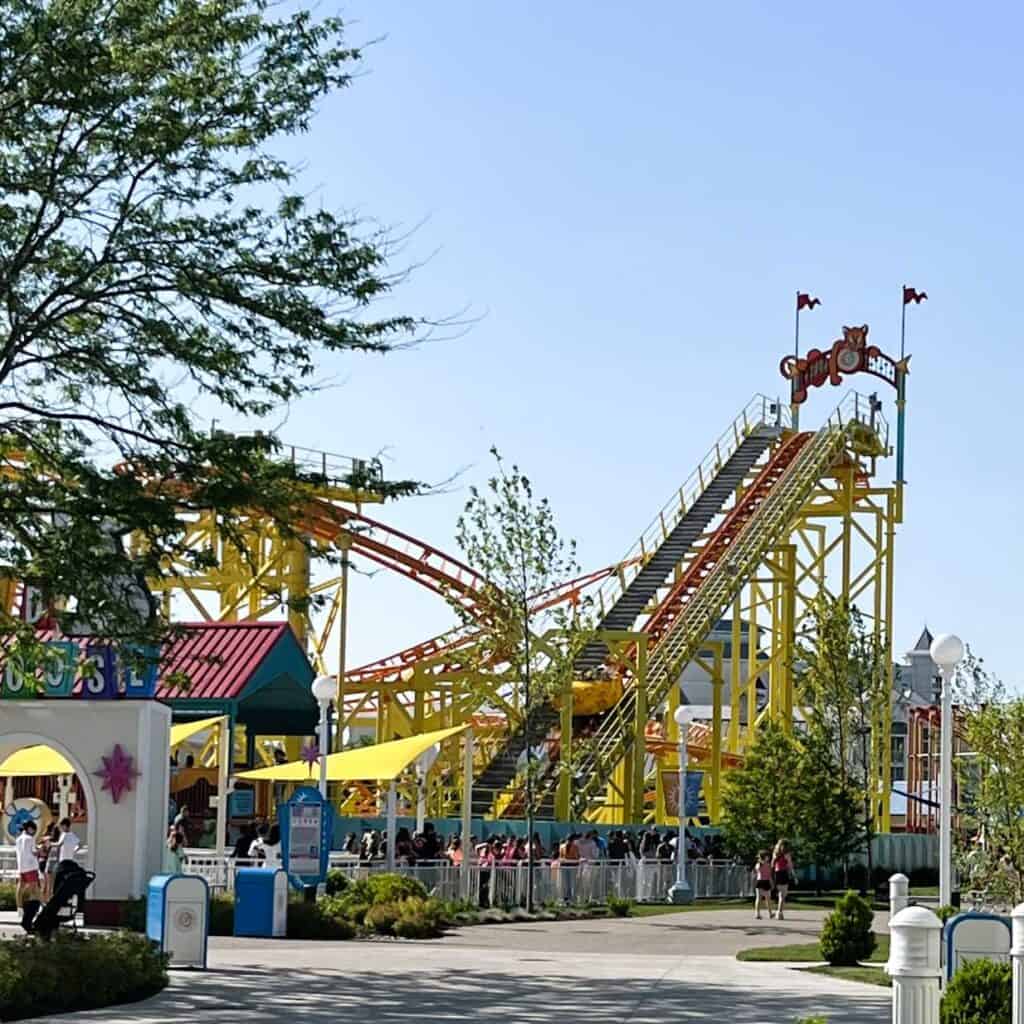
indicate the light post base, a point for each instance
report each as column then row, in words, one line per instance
column 680, row 893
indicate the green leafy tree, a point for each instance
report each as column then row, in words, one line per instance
column 788, row 787
column 990, row 777
column 843, row 682
column 761, row 800
column 157, row 258
column 511, row 538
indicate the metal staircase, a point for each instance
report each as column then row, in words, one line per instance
column 646, row 569
column 756, row 524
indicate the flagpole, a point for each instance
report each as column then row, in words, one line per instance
column 796, row 332
column 794, row 410
column 903, row 320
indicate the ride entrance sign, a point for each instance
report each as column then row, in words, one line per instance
column 307, row 826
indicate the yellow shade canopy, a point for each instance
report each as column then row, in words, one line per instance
column 384, row 761
column 180, row 733
column 38, row 760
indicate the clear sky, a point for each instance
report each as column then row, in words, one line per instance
column 628, row 196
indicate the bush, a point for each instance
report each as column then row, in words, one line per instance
column 313, row 921
column 133, row 915
column 77, row 972
column 337, row 882
column 7, row 896
column 847, row 938
column 387, row 888
column 979, row 993
column 619, row 907
column 383, row 917
column 945, row 912
column 420, row 919
column 222, row 913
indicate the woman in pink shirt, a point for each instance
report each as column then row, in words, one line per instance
column 782, row 873
column 763, row 884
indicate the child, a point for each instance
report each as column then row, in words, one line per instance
column 763, row 884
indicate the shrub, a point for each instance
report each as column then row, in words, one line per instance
column 419, row 919
column 979, row 993
column 133, row 915
column 382, row 917
column 312, row 921
column 7, row 896
column 387, row 888
column 811, row 1020
column 619, row 907
column 77, row 972
column 847, row 937
column 222, row 913
column 337, row 882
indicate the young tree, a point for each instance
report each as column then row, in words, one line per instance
column 990, row 777
column 510, row 537
column 761, row 800
column 148, row 271
column 788, row 787
column 844, row 685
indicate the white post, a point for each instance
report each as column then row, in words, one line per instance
column 947, row 652
column 914, row 966
column 680, row 891
column 392, row 816
column 225, row 756
column 465, row 876
column 899, row 894
column 322, row 743
column 1017, row 957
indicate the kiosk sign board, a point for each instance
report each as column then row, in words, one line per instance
column 307, row 826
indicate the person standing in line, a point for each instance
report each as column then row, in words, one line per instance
column 782, row 873
column 272, row 847
column 763, row 884
column 48, row 858
column 26, row 861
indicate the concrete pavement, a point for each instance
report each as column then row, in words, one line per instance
column 640, row 970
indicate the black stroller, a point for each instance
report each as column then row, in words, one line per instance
column 65, row 903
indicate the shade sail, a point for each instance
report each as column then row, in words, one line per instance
column 180, row 733
column 384, row 761
column 38, row 760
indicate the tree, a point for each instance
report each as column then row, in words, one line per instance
column 788, row 787
column 157, row 259
column 761, row 800
column 843, row 682
column 511, row 538
column 990, row 777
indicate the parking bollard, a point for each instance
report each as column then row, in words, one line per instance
column 915, row 936
column 899, row 894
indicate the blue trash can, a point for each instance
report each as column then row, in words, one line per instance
column 261, row 903
column 178, row 916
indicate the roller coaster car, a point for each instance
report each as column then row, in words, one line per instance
column 592, row 696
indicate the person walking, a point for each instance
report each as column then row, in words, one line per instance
column 26, row 861
column 782, row 874
column 763, row 884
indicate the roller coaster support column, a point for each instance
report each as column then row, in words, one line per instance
column 563, row 795
column 717, row 682
column 635, row 808
column 901, row 422
column 465, row 878
column 345, row 543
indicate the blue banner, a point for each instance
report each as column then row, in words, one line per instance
column 694, row 780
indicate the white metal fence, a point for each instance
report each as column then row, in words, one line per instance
column 506, row 884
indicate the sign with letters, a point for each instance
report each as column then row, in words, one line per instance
column 106, row 672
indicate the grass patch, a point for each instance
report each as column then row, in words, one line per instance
column 653, row 909
column 865, row 975
column 807, row 952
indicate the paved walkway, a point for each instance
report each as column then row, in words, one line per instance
column 642, row 970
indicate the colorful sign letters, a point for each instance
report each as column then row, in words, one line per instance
column 103, row 671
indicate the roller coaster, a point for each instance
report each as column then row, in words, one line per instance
column 711, row 598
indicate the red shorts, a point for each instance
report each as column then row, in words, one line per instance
column 29, row 877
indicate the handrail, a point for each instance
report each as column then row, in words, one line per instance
column 687, row 632
column 760, row 411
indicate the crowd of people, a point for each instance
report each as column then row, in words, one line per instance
column 40, row 861
column 428, row 846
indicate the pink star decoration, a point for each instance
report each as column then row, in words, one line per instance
column 117, row 772
column 311, row 755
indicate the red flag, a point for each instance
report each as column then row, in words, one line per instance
column 804, row 301
column 913, row 295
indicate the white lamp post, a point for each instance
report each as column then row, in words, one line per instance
column 680, row 891
column 947, row 651
column 324, row 688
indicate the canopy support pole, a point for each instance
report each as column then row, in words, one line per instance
column 467, row 817
column 392, row 816
column 225, row 755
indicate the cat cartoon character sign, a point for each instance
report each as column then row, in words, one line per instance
column 849, row 354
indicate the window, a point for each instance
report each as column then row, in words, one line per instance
column 899, row 758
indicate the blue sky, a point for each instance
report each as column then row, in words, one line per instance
column 627, row 198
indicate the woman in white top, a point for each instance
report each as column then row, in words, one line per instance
column 272, row 848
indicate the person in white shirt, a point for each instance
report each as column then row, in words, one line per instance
column 27, row 860
column 68, row 843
